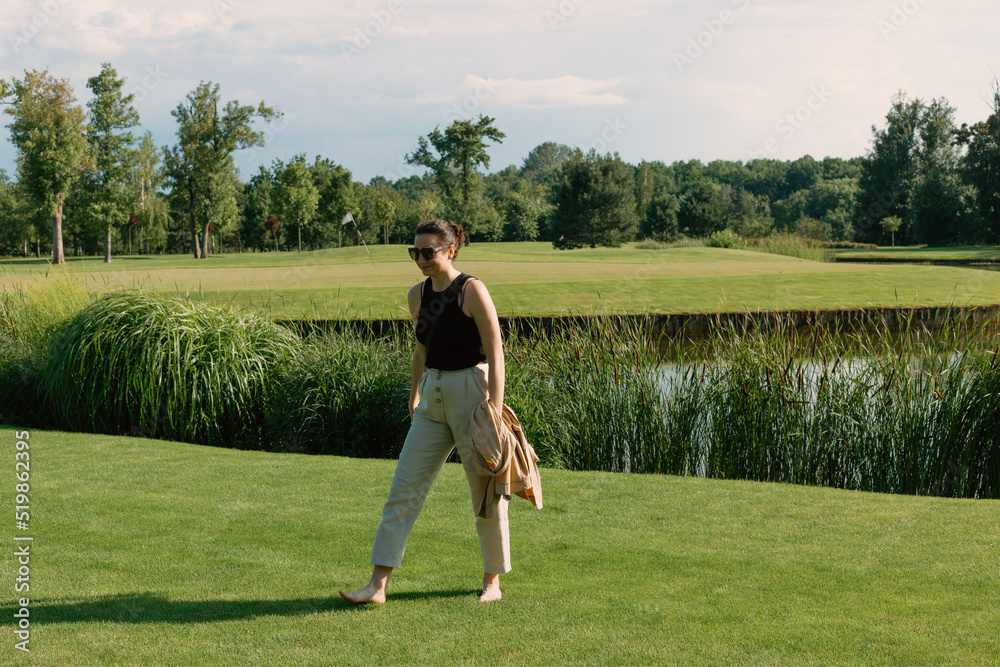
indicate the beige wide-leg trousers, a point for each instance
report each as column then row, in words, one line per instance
column 440, row 423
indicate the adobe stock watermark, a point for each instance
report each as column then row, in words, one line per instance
column 464, row 109
column 271, row 129
column 363, row 35
column 30, row 27
column 793, row 121
column 150, row 82
column 404, row 168
column 698, row 43
column 562, row 12
column 22, row 543
column 613, row 129
column 224, row 7
column 900, row 16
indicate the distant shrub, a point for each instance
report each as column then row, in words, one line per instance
column 811, row 228
column 679, row 242
column 791, row 245
column 687, row 242
column 143, row 363
column 757, row 228
column 726, row 238
column 847, row 245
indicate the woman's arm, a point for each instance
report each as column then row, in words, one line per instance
column 480, row 306
column 417, row 363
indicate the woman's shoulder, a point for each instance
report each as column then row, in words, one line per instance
column 415, row 295
column 476, row 294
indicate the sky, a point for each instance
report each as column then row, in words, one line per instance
column 359, row 82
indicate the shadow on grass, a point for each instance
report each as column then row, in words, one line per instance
column 150, row 608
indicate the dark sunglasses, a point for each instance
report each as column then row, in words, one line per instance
column 427, row 253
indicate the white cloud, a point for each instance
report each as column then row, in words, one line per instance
column 565, row 91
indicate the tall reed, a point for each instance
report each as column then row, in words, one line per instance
column 912, row 413
column 588, row 396
column 344, row 394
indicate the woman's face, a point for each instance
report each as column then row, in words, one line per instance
column 441, row 259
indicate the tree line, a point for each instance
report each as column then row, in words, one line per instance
column 87, row 180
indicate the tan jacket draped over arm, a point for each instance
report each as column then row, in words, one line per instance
column 504, row 460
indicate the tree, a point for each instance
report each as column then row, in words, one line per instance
column 890, row 225
column 272, row 225
column 941, row 205
column 17, row 217
column 336, row 199
column 888, row 170
column 456, row 154
column 112, row 157
column 295, row 196
column 525, row 211
column 203, row 156
column 258, row 195
column 48, row 131
column 769, row 178
column 702, row 210
column 594, row 200
column 912, row 172
column 222, row 213
column 802, row 173
column 981, row 168
column 386, row 206
column 745, row 211
column 660, row 220
column 832, row 202
column 151, row 216
column 543, row 162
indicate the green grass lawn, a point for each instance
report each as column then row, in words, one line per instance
column 925, row 253
column 151, row 552
column 533, row 279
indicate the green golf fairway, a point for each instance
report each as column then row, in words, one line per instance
column 533, row 279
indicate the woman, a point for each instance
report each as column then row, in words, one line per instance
column 457, row 364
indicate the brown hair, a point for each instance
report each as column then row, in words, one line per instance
column 451, row 232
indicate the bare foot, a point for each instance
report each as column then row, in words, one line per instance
column 490, row 594
column 369, row 593
column 491, row 588
column 374, row 592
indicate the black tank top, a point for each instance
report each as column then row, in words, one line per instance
column 456, row 343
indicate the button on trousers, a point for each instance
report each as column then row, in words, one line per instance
column 440, row 424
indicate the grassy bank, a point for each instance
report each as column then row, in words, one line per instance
column 534, row 279
column 925, row 254
column 156, row 552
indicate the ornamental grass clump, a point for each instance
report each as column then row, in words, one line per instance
column 31, row 315
column 147, row 364
column 29, row 319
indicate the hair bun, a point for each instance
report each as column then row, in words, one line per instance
column 461, row 235
column 451, row 233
